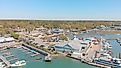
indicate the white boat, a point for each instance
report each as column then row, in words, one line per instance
column 19, row 63
column 48, row 58
column 118, row 34
column 107, row 45
column 2, row 65
column 107, row 60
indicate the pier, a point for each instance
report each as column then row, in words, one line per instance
column 35, row 55
column 36, row 49
column 4, row 60
column 29, row 51
column 13, row 59
column 9, row 56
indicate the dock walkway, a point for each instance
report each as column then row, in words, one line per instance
column 4, row 60
column 36, row 49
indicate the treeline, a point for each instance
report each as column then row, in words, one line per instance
column 7, row 25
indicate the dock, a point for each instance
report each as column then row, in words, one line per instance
column 5, row 61
column 36, row 49
column 9, row 56
column 13, row 59
column 29, row 51
column 4, row 51
column 35, row 55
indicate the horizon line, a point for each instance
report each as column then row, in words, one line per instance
column 61, row 19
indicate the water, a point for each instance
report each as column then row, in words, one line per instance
column 60, row 62
column 116, row 48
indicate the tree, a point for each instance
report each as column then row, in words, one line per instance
column 63, row 37
column 14, row 35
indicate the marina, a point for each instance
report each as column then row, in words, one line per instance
column 32, row 53
column 60, row 34
column 89, row 49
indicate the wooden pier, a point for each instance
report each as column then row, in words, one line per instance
column 36, row 49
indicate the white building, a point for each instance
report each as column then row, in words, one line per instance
column 8, row 39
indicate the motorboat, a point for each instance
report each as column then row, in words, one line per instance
column 47, row 58
column 19, row 63
column 107, row 60
column 2, row 65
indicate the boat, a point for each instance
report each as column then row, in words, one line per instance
column 107, row 60
column 47, row 58
column 119, row 41
column 107, row 45
column 38, row 58
column 2, row 65
column 118, row 34
column 19, row 63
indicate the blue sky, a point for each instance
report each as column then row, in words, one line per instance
column 61, row 9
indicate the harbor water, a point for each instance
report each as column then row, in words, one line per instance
column 59, row 62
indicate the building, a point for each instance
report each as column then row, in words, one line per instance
column 71, row 46
column 76, row 47
column 8, row 39
column 57, row 31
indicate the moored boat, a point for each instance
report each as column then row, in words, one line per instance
column 47, row 58
column 2, row 65
column 107, row 60
column 19, row 63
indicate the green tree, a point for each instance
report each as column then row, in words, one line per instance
column 14, row 35
column 63, row 37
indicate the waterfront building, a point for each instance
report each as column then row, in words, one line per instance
column 70, row 46
column 76, row 44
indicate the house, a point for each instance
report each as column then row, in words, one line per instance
column 57, row 31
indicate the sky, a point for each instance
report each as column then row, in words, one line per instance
column 61, row 9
